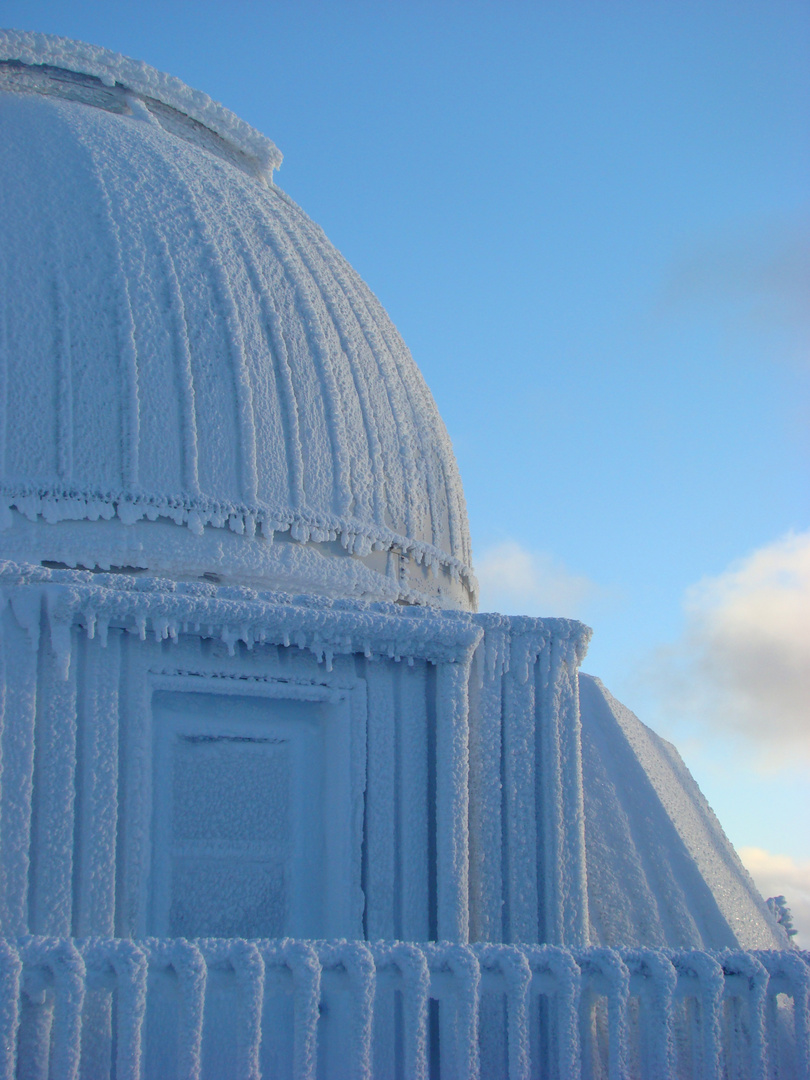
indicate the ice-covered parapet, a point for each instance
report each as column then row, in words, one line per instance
column 235, row 615
column 595, row 1018
column 114, row 71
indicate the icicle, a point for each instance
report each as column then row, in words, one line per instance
column 59, row 624
column 50, row 511
column 128, row 512
column 28, row 506
column 195, row 523
column 90, row 623
column 229, row 638
column 25, row 605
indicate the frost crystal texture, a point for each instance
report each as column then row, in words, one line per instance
column 275, row 800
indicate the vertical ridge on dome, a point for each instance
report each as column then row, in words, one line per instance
column 268, row 367
column 183, row 368
column 345, row 323
column 279, row 354
column 130, row 412
column 312, row 259
column 398, row 502
column 3, row 352
column 406, row 468
column 64, row 403
column 367, row 309
column 293, row 258
column 231, row 324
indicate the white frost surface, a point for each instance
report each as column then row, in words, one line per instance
column 179, row 341
column 112, row 69
column 660, row 868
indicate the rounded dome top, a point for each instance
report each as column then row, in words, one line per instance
column 181, row 346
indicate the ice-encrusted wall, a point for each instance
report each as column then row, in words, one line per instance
column 421, row 768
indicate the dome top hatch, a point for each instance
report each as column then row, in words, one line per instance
column 180, row 343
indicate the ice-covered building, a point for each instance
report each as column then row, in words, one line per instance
column 275, row 799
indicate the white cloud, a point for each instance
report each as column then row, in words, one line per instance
column 743, row 664
column 781, row 875
column 517, row 581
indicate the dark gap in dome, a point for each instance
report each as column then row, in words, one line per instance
column 61, row 83
column 51, row 81
column 49, row 564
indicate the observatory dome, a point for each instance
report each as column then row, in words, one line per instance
column 195, row 382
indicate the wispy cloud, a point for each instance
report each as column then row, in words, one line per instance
column 517, row 581
column 743, row 664
column 781, row 875
column 756, row 284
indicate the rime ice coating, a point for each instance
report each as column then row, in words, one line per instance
column 651, row 998
column 111, row 69
column 178, row 341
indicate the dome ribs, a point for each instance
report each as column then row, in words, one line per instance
column 423, row 403
column 402, row 499
column 233, row 333
column 286, row 249
column 278, row 355
column 193, row 350
column 184, row 371
column 3, row 364
column 130, row 411
column 64, row 394
column 369, row 475
column 398, row 386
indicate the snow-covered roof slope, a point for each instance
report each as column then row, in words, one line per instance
column 180, row 342
column 660, row 868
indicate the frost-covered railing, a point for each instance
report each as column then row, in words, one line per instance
column 235, row 1008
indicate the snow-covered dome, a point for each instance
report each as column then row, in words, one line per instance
column 190, row 370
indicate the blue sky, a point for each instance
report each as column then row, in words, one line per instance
column 591, row 224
